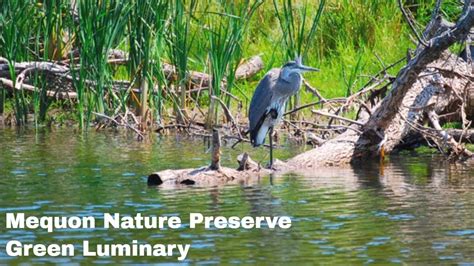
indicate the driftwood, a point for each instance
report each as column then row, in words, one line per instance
column 61, row 70
column 433, row 81
column 202, row 80
column 20, row 86
column 216, row 151
column 462, row 135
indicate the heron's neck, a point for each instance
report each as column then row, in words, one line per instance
column 290, row 77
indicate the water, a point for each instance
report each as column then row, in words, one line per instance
column 418, row 210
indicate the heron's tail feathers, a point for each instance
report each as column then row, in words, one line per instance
column 257, row 136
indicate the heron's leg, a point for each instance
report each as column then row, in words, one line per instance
column 270, row 133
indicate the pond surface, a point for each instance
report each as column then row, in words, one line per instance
column 418, row 209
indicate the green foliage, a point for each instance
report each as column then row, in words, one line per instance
column 297, row 37
column 470, row 147
column 146, row 31
column 100, row 28
column 225, row 31
column 457, row 125
column 180, row 41
column 348, row 40
column 16, row 28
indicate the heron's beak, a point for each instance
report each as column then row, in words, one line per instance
column 307, row 68
column 299, row 63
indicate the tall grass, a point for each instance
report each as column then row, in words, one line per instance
column 226, row 28
column 293, row 20
column 344, row 38
column 180, row 41
column 16, row 30
column 146, row 26
column 297, row 34
column 53, row 42
column 101, row 27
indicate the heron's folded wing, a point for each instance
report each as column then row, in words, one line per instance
column 261, row 99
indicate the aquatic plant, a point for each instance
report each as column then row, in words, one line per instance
column 225, row 30
column 180, row 41
column 100, row 27
column 297, row 37
column 146, row 27
column 16, row 30
column 206, row 36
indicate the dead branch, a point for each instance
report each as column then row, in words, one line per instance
column 43, row 66
column 216, row 150
column 296, row 109
column 455, row 150
column 227, row 112
column 462, row 135
column 54, row 94
column 314, row 91
column 124, row 123
column 249, row 68
column 411, row 24
column 383, row 116
column 318, row 112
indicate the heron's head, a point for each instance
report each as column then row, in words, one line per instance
column 295, row 67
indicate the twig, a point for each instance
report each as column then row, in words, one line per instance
column 227, row 112
column 410, row 23
column 120, row 124
column 216, row 150
column 314, row 91
column 383, row 71
column 199, row 89
column 328, row 127
column 337, row 117
column 457, row 149
column 296, row 109
column 363, row 91
column 177, row 126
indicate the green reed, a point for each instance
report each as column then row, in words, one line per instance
column 53, row 42
column 146, row 27
column 180, row 41
column 297, row 36
column 208, row 36
column 16, row 30
column 226, row 28
column 101, row 27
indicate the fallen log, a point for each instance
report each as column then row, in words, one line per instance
column 202, row 80
column 53, row 94
column 213, row 174
column 205, row 176
column 246, row 70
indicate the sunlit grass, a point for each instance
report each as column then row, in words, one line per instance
column 146, row 30
column 348, row 40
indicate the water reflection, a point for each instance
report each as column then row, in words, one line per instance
column 417, row 209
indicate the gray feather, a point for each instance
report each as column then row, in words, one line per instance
column 268, row 101
column 262, row 96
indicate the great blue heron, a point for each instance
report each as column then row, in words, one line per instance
column 269, row 100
